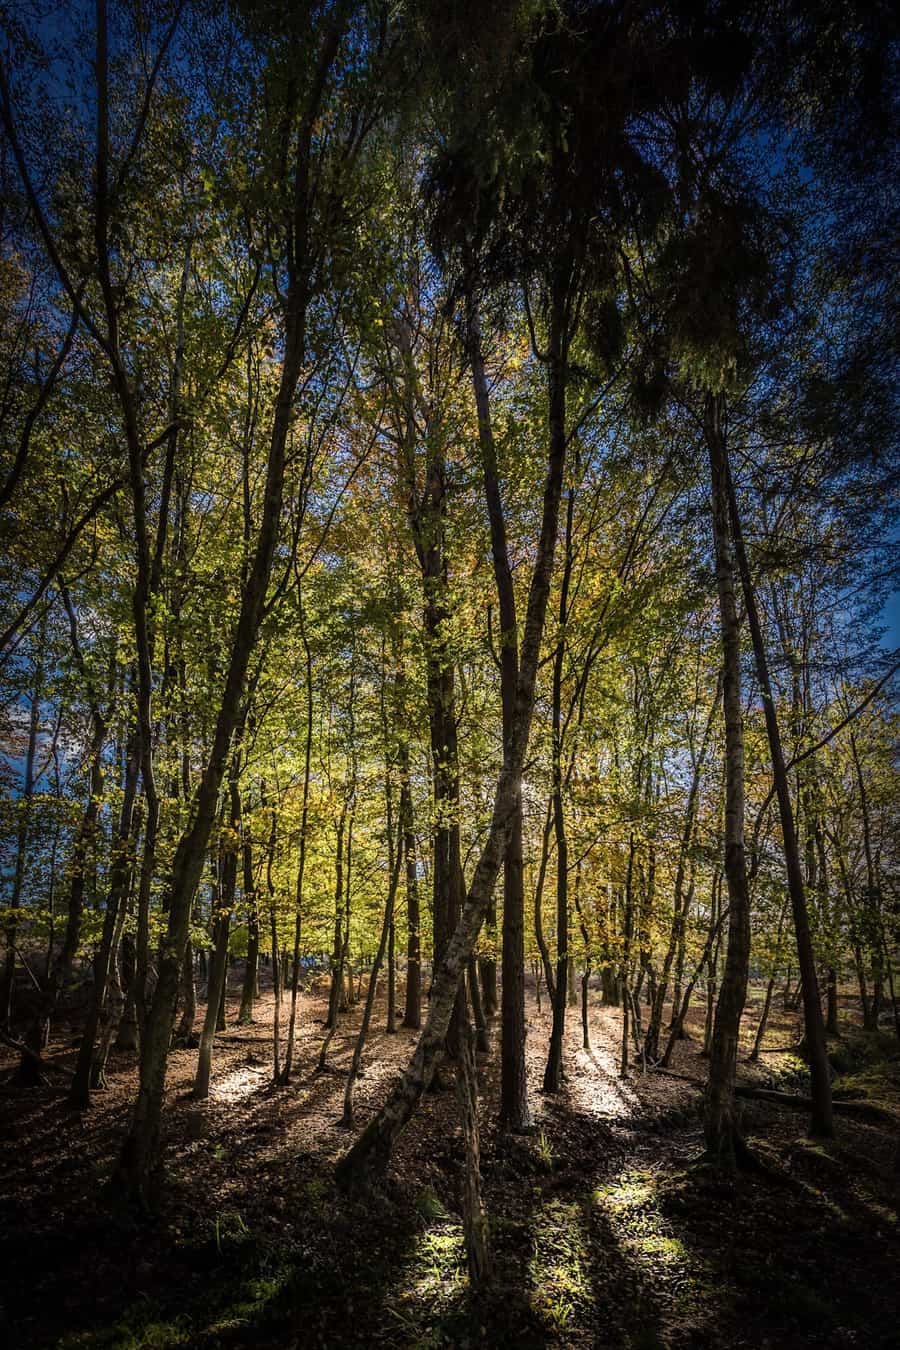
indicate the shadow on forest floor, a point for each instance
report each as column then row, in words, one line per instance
column 603, row 1232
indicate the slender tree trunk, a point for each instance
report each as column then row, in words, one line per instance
column 387, row 923
column 391, row 1018
column 141, row 1148
column 723, row 1142
column 120, row 876
column 127, row 1036
column 337, row 998
column 189, row 992
column 675, row 945
column 273, row 933
column 627, row 936
column 822, row 1122
column 514, row 1112
column 873, row 897
column 676, row 1031
column 301, row 861
column 115, row 1007
column 54, row 982
column 412, row 1014
column 553, row 1073
column 221, row 905
column 586, row 975
column 373, row 1148
column 763, row 1020
column 251, row 902
column 475, row 1222
column 334, row 995
column 538, row 903
column 23, row 808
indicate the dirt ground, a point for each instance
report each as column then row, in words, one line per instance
column 604, row 1231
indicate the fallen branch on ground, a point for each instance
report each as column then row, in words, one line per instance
column 864, row 1110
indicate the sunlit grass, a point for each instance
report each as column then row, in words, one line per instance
column 659, row 1248
column 630, row 1190
column 558, row 1265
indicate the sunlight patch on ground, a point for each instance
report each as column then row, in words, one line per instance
column 240, row 1083
column 433, row 1285
column 597, row 1088
column 558, row 1265
column 633, row 1205
column 630, row 1190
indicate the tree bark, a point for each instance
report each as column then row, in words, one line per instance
column 553, row 1073
column 724, row 1145
column 820, row 1073
column 514, row 1111
column 373, row 1148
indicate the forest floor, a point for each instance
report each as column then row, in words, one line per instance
column 604, row 1230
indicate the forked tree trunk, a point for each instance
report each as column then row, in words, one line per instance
column 373, row 1148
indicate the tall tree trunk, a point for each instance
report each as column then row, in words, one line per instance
column 822, row 1122
column 334, row 996
column 539, row 899
column 120, row 875
column 680, row 899
column 412, row 1012
column 58, row 972
column 872, row 916
column 475, row 1221
column 140, row 1152
column 251, row 903
column 23, row 810
column 221, row 905
column 395, row 849
column 141, row 1148
column 553, row 1073
column 301, row 860
column 273, row 934
column 514, row 1112
column 391, row 1013
column 724, row 1145
column 373, row 1148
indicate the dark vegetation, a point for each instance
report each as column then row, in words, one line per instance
column 604, row 1230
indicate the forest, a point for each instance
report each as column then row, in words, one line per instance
column 449, row 658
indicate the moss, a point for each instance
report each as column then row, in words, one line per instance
column 558, row 1265
column 631, row 1190
column 143, row 1328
